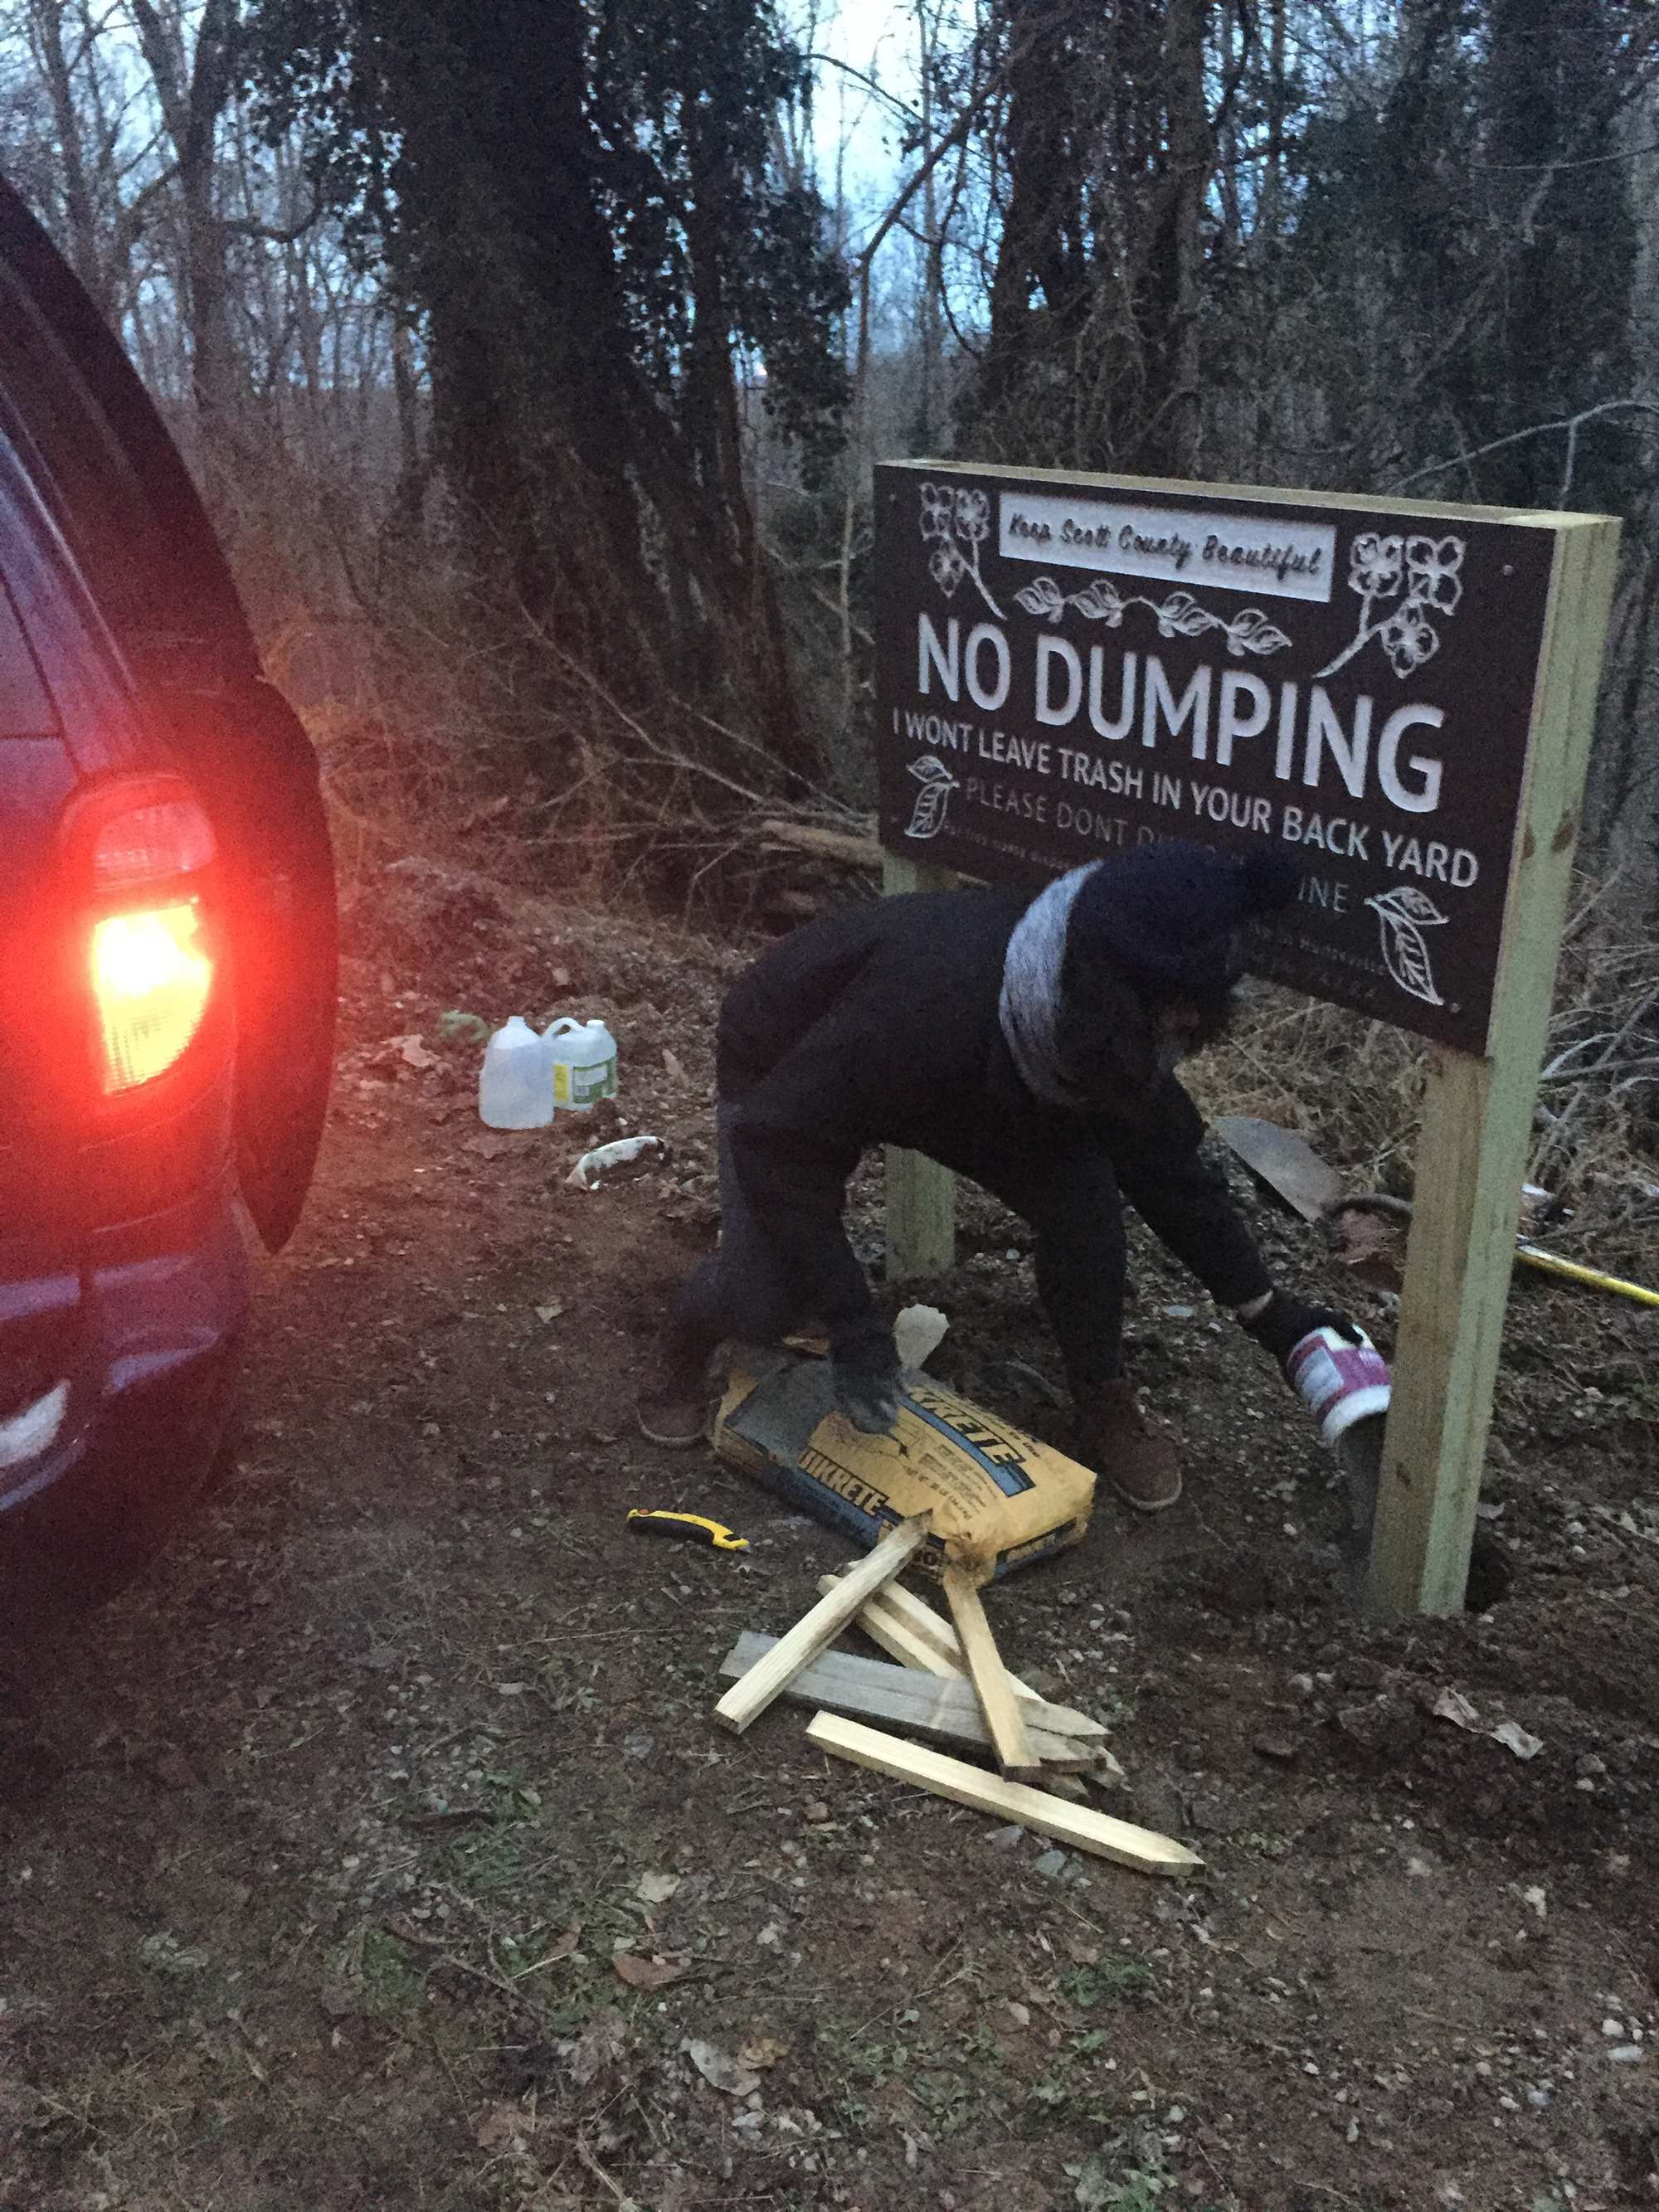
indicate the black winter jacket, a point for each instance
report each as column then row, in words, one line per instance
column 878, row 1024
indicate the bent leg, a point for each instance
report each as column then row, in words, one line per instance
column 738, row 1290
column 1081, row 1261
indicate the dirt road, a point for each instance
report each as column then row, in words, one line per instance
column 378, row 1849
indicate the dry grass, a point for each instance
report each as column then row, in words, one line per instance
column 1354, row 1088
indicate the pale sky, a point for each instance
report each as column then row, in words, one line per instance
column 877, row 37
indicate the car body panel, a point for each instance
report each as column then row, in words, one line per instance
column 93, row 443
column 127, row 1216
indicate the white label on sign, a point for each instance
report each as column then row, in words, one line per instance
column 1240, row 552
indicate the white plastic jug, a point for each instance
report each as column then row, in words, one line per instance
column 515, row 1089
column 584, row 1062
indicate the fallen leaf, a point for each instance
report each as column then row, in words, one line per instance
column 603, row 2039
column 504, row 2127
column 561, row 979
column 562, row 1947
column 1278, row 1747
column 1086, row 1955
column 672, row 1062
column 412, row 1051
column 1515, row 1738
column 718, row 2070
column 762, row 2050
column 656, row 1888
column 648, row 1973
column 1370, row 1248
column 548, row 1313
column 1452, row 1705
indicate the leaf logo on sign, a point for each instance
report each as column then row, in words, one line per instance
column 928, row 817
column 1403, row 915
column 1178, row 616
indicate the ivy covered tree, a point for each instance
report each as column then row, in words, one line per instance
column 583, row 207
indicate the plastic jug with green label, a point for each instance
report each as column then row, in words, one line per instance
column 584, row 1061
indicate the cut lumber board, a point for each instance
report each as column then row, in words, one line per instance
column 899, row 1637
column 1015, row 1753
column 929, row 1631
column 746, row 1701
column 824, row 844
column 1078, row 1826
column 943, row 1707
column 909, row 1629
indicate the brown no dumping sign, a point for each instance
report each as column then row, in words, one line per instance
column 1401, row 693
column 1066, row 666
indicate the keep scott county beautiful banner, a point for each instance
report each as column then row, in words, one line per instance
column 1066, row 667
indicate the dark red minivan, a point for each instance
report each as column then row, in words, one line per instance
column 167, row 934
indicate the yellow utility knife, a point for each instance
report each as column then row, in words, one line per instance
column 693, row 1528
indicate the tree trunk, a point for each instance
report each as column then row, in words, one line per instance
column 192, row 95
column 1180, row 282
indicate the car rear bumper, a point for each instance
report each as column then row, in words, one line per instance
column 143, row 1411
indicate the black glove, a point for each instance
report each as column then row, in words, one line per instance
column 864, row 1367
column 1284, row 1321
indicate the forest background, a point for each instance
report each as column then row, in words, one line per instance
column 533, row 355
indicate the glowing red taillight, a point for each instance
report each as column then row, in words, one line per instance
column 152, row 981
column 145, row 856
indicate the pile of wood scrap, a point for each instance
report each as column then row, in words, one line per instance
column 950, row 1687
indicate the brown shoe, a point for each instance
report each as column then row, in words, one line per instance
column 1136, row 1457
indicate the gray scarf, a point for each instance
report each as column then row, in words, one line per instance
column 1030, row 990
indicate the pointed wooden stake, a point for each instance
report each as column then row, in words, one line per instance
column 747, row 1700
column 1016, row 1754
column 1078, row 1825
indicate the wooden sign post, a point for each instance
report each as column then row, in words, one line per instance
column 1399, row 692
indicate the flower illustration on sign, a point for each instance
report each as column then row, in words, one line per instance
column 928, row 817
column 1403, row 915
column 1430, row 571
column 1178, row 616
column 957, row 523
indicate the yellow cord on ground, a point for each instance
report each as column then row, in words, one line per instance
column 1550, row 1264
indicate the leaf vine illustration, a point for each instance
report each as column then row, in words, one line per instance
column 1403, row 914
column 1423, row 575
column 1179, row 615
column 952, row 519
column 928, row 817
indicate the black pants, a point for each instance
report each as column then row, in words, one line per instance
column 1073, row 1204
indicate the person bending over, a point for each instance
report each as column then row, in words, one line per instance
column 1029, row 1046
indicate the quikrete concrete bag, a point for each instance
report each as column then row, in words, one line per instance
column 999, row 1498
